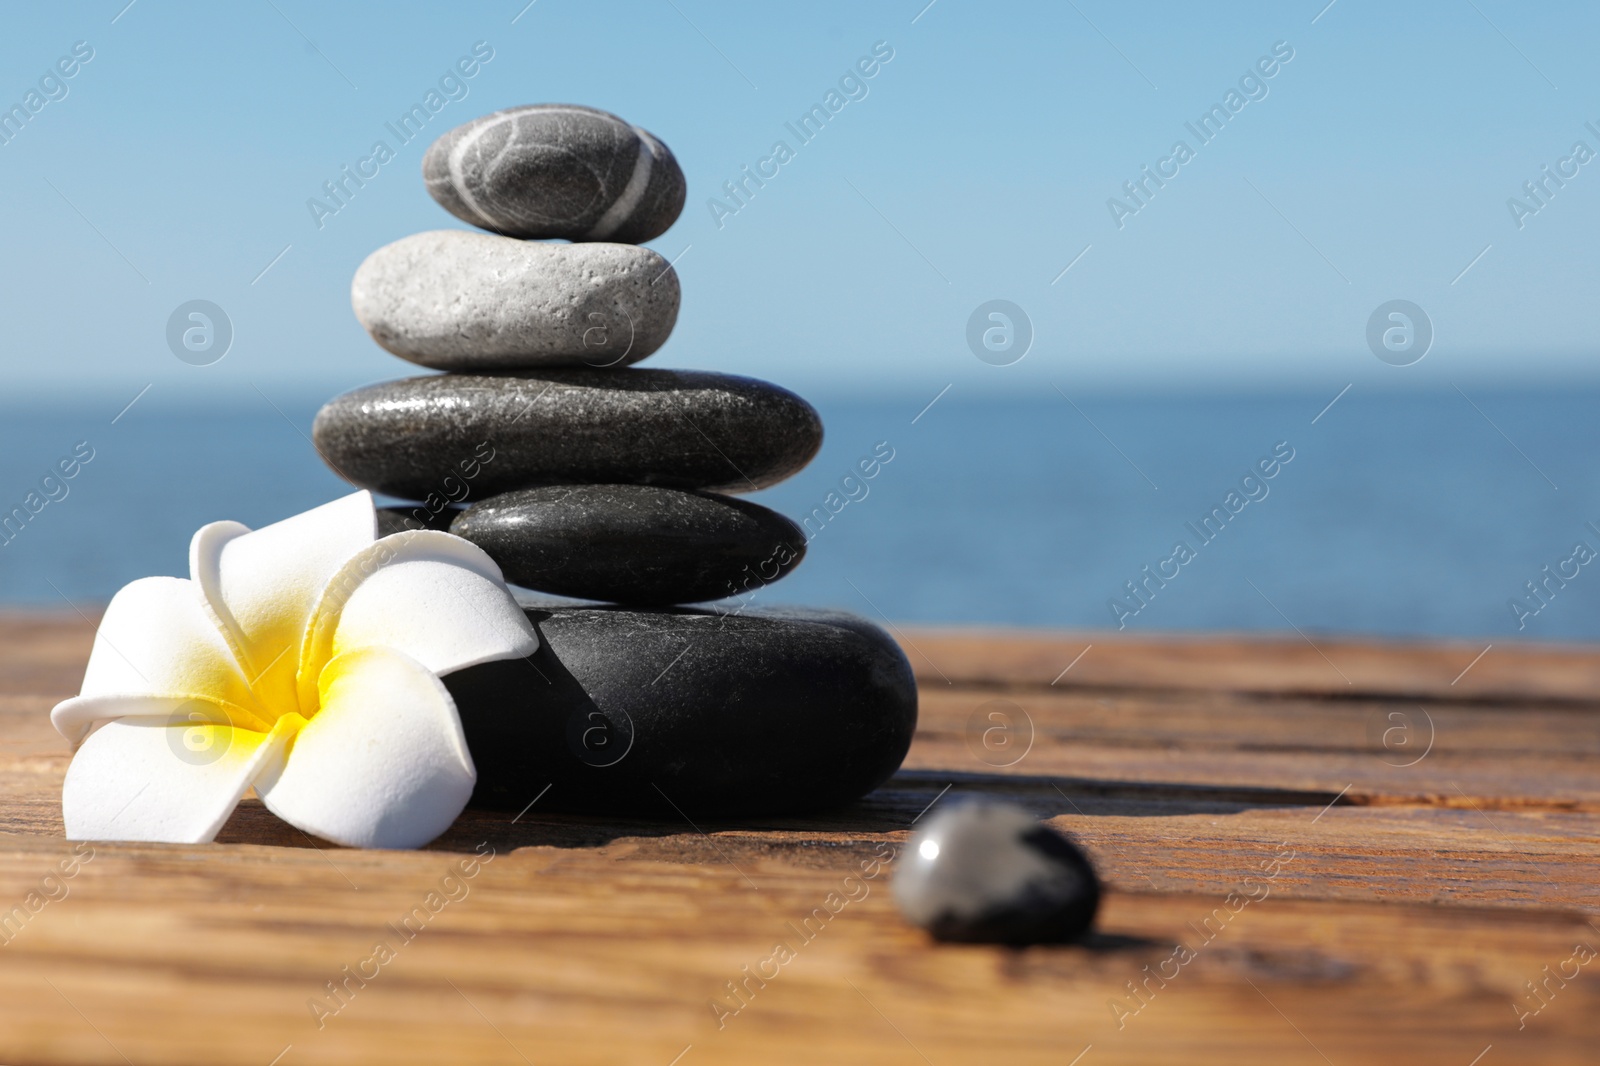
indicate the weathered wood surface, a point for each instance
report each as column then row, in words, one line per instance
column 1296, row 875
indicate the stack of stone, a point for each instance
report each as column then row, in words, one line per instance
column 590, row 479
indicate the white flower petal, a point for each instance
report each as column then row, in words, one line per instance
column 73, row 718
column 264, row 584
column 205, row 548
column 383, row 764
column 435, row 597
column 156, row 639
column 143, row 779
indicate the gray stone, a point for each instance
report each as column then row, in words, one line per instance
column 638, row 544
column 455, row 300
column 681, row 428
column 688, row 713
column 556, row 170
column 400, row 518
column 990, row 872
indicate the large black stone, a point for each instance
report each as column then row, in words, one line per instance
column 683, row 428
column 688, row 713
column 556, row 170
column 639, row 544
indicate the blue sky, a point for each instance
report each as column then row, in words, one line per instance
column 1377, row 166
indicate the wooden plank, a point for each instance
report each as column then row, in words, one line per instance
column 1492, row 762
column 1416, row 903
column 1511, row 670
column 608, row 955
column 46, row 652
column 1493, row 755
column 1398, row 731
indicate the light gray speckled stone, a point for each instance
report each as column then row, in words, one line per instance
column 681, row 428
column 556, row 170
column 978, row 870
column 454, row 300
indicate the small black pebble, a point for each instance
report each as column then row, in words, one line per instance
column 988, row 872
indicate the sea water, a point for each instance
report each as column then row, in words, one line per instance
column 1470, row 513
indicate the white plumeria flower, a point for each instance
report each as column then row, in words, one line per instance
column 302, row 659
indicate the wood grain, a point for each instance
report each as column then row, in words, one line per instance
column 1414, row 898
column 1270, row 665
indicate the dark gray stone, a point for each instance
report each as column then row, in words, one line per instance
column 681, row 428
column 556, row 170
column 689, row 713
column 990, row 872
column 398, row 519
column 454, row 300
column 639, row 544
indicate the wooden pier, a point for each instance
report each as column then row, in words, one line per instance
column 1340, row 853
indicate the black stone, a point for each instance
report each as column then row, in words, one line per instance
column 681, row 428
column 415, row 516
column 556, row 170
column 639, row 544
column 687, row 713
column 991, row 873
